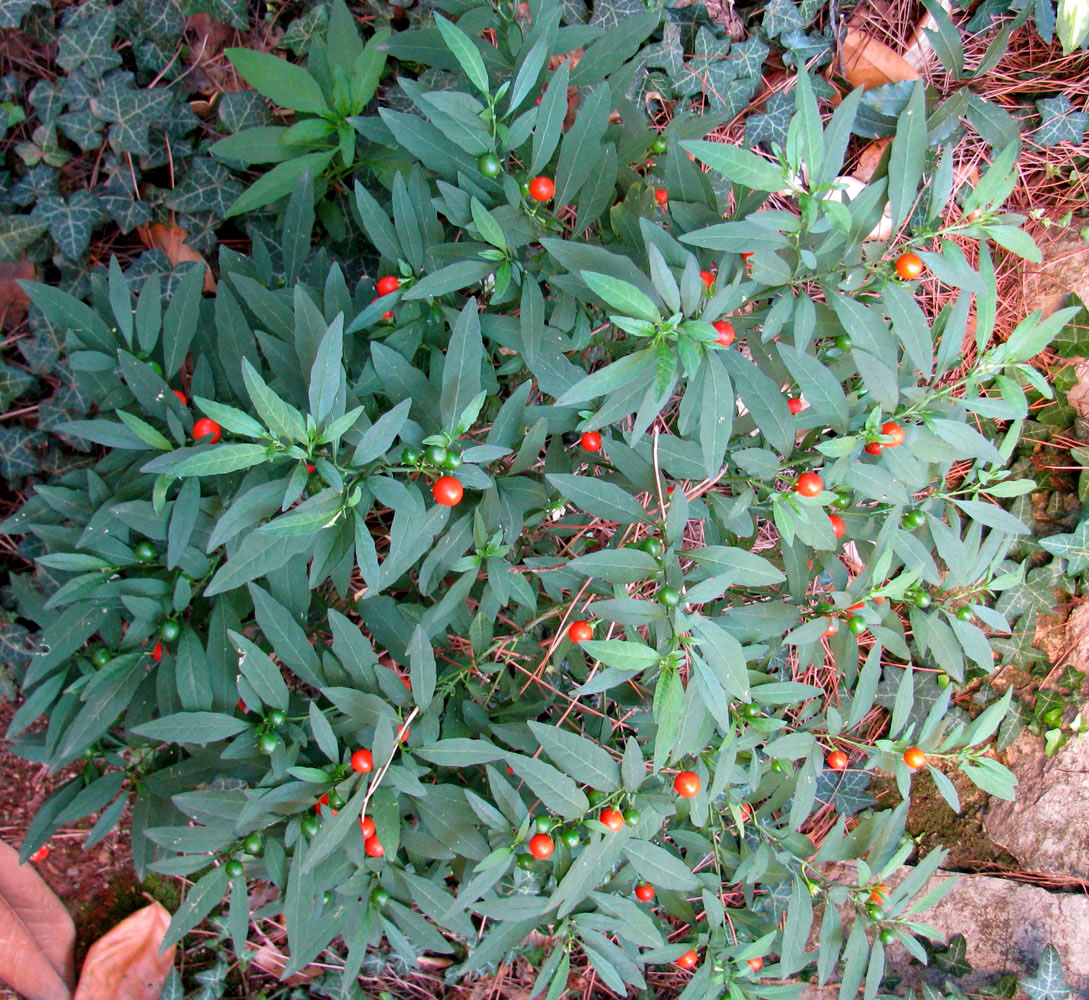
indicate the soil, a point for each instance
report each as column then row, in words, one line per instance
column 98, row 886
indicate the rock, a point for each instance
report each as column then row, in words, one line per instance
column 1042, row 828
column 1006, row 926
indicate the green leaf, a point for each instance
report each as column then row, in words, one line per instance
column 71, row 220
column 658, row 866
column 908, row 156
column 1071, row 546
column 450, row 278
column 368, row 68
column 556, row 790
column 281, row 82
column 466, row 53
column 327, row 380
column 738, row 165
column 261, row 144
column 208, row 186
column 1072, row 26
column 263, row 675
column 200, row 728
column 622, row 296
column 461, row 372
column 379, row 437
column 258, row 554
column 583, row 759
column 86, row 43
column 132, row 111
column 213, row 460
column 17, row 232
column 627, row 565
column 599, row 498
column 1048, row 983
column 550, row 118
column 279, row 182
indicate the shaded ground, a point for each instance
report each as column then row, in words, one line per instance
column 98, row 886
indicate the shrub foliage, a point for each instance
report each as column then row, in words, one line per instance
column 224, row 623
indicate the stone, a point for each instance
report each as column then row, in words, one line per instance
column 1043, row 827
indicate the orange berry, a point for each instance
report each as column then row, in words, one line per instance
column 613, row 819
column 181, row 397
column 914, row 758
column 542, row 189
column 707, row 278
column 687, row 784
column 388, row 284
column 836, row 760
column 909, row 265
column 580, row 631
column 895, row 431
column 688, row 960
column 809, row 484
column 591, row 441
column 206, row 428
column 873, row 448
column 644, row 892
column 756, row 964
column 661, row 196
column 795, row 405
column 832, row 629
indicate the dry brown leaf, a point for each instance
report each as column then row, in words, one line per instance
column 868, row 63
column 171, row 240
column 37, row 936
column 125, row 964
column 868, row 160
column 13, row 300
column 270, row 960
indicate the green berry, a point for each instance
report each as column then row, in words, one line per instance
column 410, row 456
column 856, row 624
column 543, row 824
column 777, row 765
column 943, row 680
column 843, row 501
column 452, row 461
column 169, row 631
column 659, row 145
column 751, row 711
column 379, row 896
column 336, row 800
column 874, row 912
column 488, row 164
column 310, row 824
column 526, row 862
column 156, row 368
column 631, row 816
column 922, row 600
column 843, row 342
column 268, row 742
column 523, row 186
column 652, row 546
column 145, row 552
column 253, row 843
column 101, row 656
column 276, row 718
column 914, row 519
column 964, row 613
column 669, row 596
column 570, row 838
column 887, row 935
column 435, row 454
column 234, row 868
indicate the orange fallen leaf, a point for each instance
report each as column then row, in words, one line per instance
column 171, row 240
column 868, row 160
column 13, row 300
column 125, row 964
column 269, row 959
column 868, row 63
column 37, row 936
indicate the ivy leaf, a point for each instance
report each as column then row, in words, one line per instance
column 208, row 187
column 1048, row 982
column 232, row 12
column 13, row 383
column 12, row 12
column 771, row 126
column 48, row 101
column 83, row 128
column 17, row 232
column 19, row 450
column 71, row 221
column 781, row 16
column 846, row 790
column 748, row 58
column 86, row 41
column 1060, row 122
column 127, row 212
column 609, row 13
column 132, row 112
column 1071, row 546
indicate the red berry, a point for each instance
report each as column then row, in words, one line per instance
column 756, row 964
column 707, row 278
column 613, row 819
column 687, row 784
column 833, row 628
column 310, row 467
column 541, row 846
column 580, row 631
column 362, row 761
column 373, row 847
column 541, row 189
column 795, row 405
column 206, row 428
column 591, row 441
column 909, row 265
column 725, row 330
column 836, row 760
column 644, row 892
column 40, row 854
column 388, row 284
column 447, row 491
column 809, row 484
column 366, row 824
column 661, row 196
column 181, row 397
column 688, row 960
column 873, row 448
column 914, row 758
column 838, row 525
column 895, row 431
column 157, row 651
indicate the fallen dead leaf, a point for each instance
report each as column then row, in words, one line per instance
column 125, row 964
column 868, row 63
column 13, row 300
column 1065, row 270
column 269, row 959
column 171, row 240
column 868, row 160
column 919, row 52
column 37, row 936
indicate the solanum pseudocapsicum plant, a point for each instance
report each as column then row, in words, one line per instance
column 327, row 604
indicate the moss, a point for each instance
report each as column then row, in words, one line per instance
column 117, row 899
